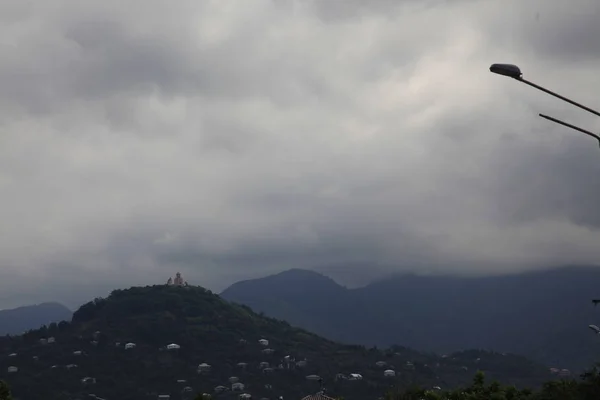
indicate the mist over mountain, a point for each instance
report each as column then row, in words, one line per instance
column 542, row 315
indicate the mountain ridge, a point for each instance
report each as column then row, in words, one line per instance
column 23, row 318
column 541, row 314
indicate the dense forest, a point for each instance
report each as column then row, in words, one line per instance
column 146, row 341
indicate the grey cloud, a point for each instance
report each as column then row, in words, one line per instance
column 227, row 140
column 545, row 184
column 556, row 32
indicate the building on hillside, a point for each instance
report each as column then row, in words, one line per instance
column 390, row 373
column 204, row 367
column 318, row 396
column 220, row 389
column 238, row 386
column 564, row 373
column 177, row 281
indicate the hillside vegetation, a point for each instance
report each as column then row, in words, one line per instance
column 208, row 329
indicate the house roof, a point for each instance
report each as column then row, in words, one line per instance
column 317, row 396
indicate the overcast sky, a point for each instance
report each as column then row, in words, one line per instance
column 230, row 139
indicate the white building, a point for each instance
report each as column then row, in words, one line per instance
column 177, row 281
column 263, row 342
column 173, row 346
column 130, row 346
column 12, row 369
column 220, row 389
column 204, row 367
column 390, row 373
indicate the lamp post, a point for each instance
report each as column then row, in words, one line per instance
column 512, row 71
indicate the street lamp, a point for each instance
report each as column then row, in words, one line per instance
column 512, row 71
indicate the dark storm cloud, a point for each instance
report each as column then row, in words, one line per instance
column 231, row 139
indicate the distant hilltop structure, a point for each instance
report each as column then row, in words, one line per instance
column 178, row 281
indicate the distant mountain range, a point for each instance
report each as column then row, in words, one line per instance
column 542, row 315
column 21, row 319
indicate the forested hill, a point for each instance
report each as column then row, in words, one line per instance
column 146, row 341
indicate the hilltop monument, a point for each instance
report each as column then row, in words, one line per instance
column 178, row 281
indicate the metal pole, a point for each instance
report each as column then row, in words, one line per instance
column 558, row 121
column 559, row 96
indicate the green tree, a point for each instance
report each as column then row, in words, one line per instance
column 5, row 391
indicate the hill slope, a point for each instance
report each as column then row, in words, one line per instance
column 21, row 319
column 211, row 330
column 298, row 294
column 542, row 315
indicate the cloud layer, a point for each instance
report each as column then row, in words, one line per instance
column 229, row 139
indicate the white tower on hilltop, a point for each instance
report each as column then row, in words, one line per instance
column 177, row 281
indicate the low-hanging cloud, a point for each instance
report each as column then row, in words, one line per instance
column 230, row 139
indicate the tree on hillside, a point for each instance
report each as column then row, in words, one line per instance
column 5, row 391
column 588, row 388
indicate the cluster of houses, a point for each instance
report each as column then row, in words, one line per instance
column 234, row 384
